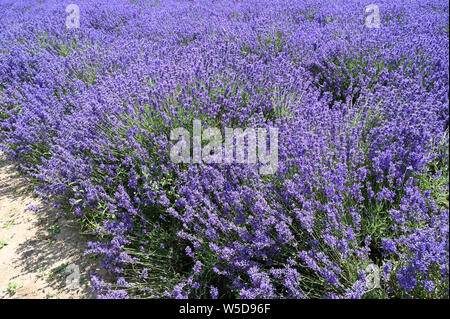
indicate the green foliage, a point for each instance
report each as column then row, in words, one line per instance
column 436, row 177
column 59, row 271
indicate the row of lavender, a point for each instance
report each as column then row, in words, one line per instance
column 362, row 113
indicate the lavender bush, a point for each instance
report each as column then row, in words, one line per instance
column 362, row 115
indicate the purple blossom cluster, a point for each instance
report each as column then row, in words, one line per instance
column 362, row 115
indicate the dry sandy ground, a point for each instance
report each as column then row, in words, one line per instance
column 41, row 254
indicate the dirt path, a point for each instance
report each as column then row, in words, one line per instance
column 41, row 254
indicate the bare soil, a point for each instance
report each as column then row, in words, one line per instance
column 41, row 253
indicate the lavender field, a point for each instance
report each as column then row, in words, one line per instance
column 356, row 203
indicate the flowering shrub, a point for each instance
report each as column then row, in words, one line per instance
column 362, row 115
